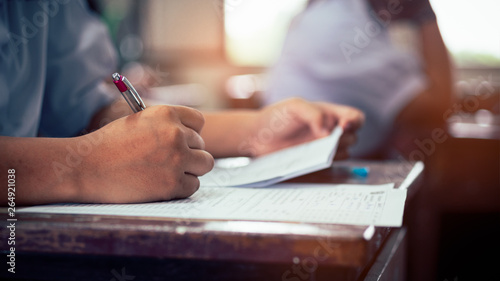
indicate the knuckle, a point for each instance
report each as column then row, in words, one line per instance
column 165, row 111
column 206, row 163
column 201, row 141
column 187, row 188
column 172, row 185
column 176, row 159
column 176, row 135
column 296, row 100
column 200, row 115
column 195, row 186
column 210, row 162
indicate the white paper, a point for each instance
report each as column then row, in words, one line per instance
column 378, row 205
column 278, row 166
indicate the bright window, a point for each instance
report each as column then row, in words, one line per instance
column 471, row 30
column 255, row 29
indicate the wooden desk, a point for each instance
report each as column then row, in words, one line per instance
column 93, row 247
column 459, row 207
column 455, row 216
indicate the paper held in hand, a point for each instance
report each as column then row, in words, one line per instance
column 278, row 166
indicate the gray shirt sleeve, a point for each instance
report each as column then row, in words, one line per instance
column 54, row 57
column 79, row 56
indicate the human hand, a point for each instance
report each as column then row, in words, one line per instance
column 156, row 154
column 294, row 121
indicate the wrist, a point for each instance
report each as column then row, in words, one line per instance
column 230, row 134
column 252, row 135
column 264, row 129
column 81, row 157
column 69, row 170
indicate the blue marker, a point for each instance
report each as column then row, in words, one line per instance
column 360, row 171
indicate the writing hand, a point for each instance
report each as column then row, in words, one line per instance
column 156, row 154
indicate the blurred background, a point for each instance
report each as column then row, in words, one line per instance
column 206, row 43
column 199, row 46
column 216, row 54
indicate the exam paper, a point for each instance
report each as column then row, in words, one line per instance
column 278, row 166
column 378, row 205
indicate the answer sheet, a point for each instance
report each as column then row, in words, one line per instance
column 278, row 166
column 378, row 205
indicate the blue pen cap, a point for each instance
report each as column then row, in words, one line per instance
column 360, row 171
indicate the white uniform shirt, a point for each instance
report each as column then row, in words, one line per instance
column 337, row 51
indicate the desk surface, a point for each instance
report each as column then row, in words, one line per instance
column 240, row 241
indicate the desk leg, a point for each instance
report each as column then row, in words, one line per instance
column 390, row 264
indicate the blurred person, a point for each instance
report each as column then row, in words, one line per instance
column 341, row 51
column 55, row 56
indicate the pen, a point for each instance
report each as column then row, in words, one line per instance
column 128, row 92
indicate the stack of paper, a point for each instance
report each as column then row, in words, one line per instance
column 379, row 205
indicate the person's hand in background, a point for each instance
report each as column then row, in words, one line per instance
column 294, row 121
column 280, row 125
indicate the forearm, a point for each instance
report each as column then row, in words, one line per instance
column 42, row 172
column 160, row 160
column 437, row 66
column 228, row 133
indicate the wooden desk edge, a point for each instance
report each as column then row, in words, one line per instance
column 214, row 240
column 339, row 245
